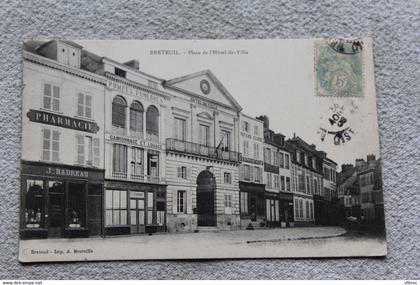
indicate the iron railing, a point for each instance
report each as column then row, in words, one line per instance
column 137, row 177
column 202, row 150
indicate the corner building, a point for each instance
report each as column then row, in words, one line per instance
column 202, row 158
column 62, row 172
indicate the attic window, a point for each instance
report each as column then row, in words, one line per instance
column 120, row 72
column 63, row 50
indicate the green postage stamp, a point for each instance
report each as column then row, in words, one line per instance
column 339, row 68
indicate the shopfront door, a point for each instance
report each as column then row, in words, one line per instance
column 56, row 208
column 137, row 216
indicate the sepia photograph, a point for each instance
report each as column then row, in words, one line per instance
column 199, row 149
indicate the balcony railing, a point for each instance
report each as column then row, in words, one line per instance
column 201, row 150
column 138, row 177
column 119, row 175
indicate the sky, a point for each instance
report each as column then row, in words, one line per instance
column 275, row 78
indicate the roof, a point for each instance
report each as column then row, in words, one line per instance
column 301, row 143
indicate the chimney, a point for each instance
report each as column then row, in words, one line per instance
column 370, row 158
column 266, row 121
column 134, row 63
column 360, row 162
column 345, row 167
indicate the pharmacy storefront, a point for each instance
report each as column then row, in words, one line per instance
column 60, row 201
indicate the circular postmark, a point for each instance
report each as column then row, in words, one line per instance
column 338, row 127
column 346, row 46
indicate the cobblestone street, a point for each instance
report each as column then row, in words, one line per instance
column 290, row 242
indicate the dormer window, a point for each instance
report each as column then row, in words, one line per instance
column 120, row 72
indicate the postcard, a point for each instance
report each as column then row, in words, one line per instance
column 199, row 149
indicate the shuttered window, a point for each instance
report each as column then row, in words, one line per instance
column 84, row 105
column 88, row 150
column 51, row 145
column 119, row 159
column 51, row 97
column 96, row 152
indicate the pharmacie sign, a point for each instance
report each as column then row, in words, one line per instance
column 62, row 121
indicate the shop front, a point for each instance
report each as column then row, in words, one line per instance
column 286, row 210
column 60, row 201
column 134, row 208
column 252, row 205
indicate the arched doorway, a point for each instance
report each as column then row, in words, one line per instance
column 206, row 189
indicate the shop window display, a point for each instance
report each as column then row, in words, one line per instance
column 76, row 211
column 34, row 204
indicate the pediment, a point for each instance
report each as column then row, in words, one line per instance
column 204, row 85
column 205, row 115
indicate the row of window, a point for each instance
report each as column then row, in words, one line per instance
column 351, row 201
column 305, row 159
column 366, row 179
column 52, row 100
column 246, row 127
column 181, row 202
column 256, row 149
column 251, row 173
column 183, row 173
column 275, row 158
column 306, row 184
column 136, row 120
column 88, row 148
column 121, row 162
column 304, row 209
column 180, row 133
column 274, row 181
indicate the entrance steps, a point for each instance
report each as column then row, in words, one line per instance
column 207, row 229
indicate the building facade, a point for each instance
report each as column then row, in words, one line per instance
column 202, row 154
column 62, row 143
column 360, row 191
column 135, row 133
column 307, row 179
column 251, row 182
column 108, row 149
column 285, row 195
column 371, row 194
column 326, row 203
